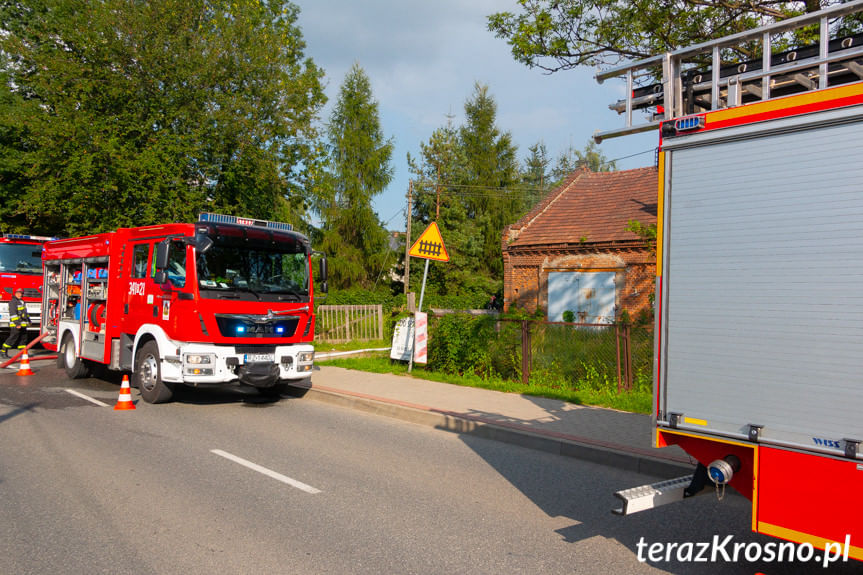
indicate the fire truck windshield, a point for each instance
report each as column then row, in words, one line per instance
column 228, row 271
column 21, row 258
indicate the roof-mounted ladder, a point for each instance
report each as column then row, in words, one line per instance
column 686, row 89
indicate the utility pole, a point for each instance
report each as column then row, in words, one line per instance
column 437, row 203
column 408, row 237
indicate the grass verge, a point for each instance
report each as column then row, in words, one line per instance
column 379, row 362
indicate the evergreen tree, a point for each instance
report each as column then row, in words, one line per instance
column 591, row 157
column 471, row 175
column 491, row 171
column 535, row 176
column 360, row 169
column 116, row 113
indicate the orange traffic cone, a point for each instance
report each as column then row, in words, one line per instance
column 24, row 366
column 125, row 400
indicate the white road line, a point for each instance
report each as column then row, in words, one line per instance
column 267, row 472
column 90, row 399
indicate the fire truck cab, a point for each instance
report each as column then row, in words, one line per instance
column 226, row 300
column 21, row 266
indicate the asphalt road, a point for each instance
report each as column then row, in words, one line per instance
column 226, row 482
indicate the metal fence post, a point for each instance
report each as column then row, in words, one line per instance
column 617, row 348
column 628, row 340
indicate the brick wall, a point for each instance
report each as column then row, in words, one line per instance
column 526, row 275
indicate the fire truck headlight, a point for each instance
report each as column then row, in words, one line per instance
column 305, row 357
column 199, row 364
column 200, row 358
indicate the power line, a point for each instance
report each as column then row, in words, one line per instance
column 428, row 187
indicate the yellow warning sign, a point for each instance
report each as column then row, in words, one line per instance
column 430, row 245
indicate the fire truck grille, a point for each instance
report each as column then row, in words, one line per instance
column 249, row 326
column 28, row 292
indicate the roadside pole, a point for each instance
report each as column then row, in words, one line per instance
column 428, row 246
column 419, row 309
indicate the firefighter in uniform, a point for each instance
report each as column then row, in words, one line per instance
column 18, row 321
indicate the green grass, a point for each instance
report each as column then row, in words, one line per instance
column 638, row 401
column 323, row 346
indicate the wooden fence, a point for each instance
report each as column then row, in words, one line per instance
column 343, row 323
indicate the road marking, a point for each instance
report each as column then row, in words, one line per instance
column 268, row 472
column 90, row 399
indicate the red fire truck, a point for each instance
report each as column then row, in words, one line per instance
column 226, row 300
column 21, row 266
column 759, row 345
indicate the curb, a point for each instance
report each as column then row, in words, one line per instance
column 611, row 455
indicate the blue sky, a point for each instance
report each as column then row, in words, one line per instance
column 423, row 59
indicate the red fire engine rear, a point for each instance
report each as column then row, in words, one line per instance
column 226, row 300
column 758, row 339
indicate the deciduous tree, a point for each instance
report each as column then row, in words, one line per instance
column 117, row 113
column 561, row 34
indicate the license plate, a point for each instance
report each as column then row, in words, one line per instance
column 256, row 357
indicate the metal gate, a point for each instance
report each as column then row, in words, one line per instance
column 343, row 323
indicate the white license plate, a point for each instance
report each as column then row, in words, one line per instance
column 256, row 357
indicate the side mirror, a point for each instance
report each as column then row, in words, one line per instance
column 160, row 277
column 203, row 243
column 323, row 273
column 162, row 255
column 324, row 287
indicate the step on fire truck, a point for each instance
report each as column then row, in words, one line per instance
column 226, row 300
column 21, row 266
column 759, row 318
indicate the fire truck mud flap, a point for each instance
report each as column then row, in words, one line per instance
column 259, row 374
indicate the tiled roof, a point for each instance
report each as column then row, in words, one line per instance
column 589, row 207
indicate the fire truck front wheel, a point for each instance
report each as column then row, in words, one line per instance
column 148, row 375
column 76, row 368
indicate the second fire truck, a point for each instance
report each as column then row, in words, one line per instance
column 226, row 300
column 21, row 267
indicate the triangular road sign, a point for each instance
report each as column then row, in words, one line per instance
column 430, row 245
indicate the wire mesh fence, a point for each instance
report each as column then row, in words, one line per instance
column 613, row 357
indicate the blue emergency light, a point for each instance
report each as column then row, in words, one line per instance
column 226, row 219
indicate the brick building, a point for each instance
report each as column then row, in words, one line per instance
column 572, row 251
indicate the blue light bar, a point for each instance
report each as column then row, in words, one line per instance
column 226, row 219
column 689, row 123
column 27, row 237
column 280, row 330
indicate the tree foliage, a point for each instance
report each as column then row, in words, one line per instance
column 470, row 183
column 591, row 157
column 561, row 34
column 117, row 113
column 360, row 169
